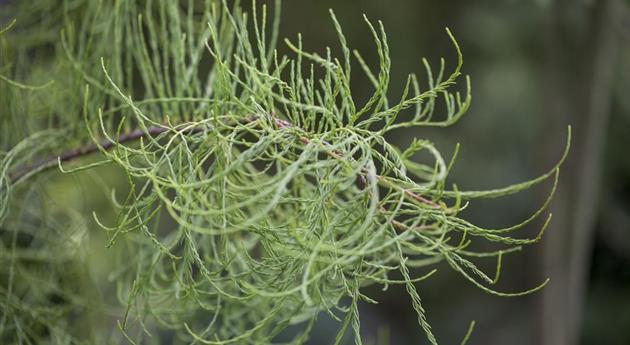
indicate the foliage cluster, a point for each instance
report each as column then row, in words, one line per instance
column 261, row 193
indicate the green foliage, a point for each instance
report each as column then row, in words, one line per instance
column 261, row 193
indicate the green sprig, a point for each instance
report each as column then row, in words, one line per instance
column 260, row 192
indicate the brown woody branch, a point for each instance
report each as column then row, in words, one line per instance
column 79, row 152
column 154, row 131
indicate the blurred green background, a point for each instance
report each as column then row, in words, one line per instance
column 536, row 67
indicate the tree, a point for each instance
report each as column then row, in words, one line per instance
column 585, row 98
column 259, row 192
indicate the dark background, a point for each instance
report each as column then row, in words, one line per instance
column 536, row 67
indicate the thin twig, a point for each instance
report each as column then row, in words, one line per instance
column 79, row 152
column 154, row 131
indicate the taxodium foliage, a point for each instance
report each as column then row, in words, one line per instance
column 260, row 192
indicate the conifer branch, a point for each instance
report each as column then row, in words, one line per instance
column 234, row 226
column 154, row 131
column 83, row 151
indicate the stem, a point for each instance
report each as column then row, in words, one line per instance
column 83, row 151
column 106, row 144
